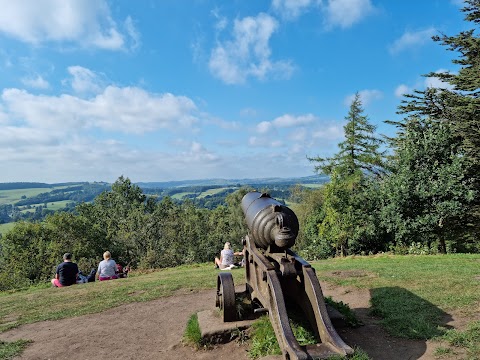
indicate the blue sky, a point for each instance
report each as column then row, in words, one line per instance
column 194, row 89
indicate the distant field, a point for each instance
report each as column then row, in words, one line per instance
column 179, row 196
column 4, row 228
column 313, row 186
column 211, row 192
column 57, row 205
column 12, row 196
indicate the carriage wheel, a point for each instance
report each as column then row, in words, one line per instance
column 226, row 296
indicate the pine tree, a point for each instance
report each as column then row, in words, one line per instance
column 360, row 150
column 345, row 224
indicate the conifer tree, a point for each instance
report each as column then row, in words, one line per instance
column 359, row 152
column 345, row 222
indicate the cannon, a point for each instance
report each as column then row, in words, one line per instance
column 277, row 277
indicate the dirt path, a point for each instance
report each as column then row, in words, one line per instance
column 154, row 329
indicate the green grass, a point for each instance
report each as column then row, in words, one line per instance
column 8, row 350
column 212, row 192
column 56, row 205
column 4, row 228
column 192, row 333
column 448, row 282
column 413, row 295
column 468, row 340
column 262, row 339
column 12, row 196
column 350, row 318
column 179, row 196
column 47, row 303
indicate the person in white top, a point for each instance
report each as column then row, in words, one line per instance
column 227, row 257
column 107, row 269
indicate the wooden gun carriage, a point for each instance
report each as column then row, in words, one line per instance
column 276, row 276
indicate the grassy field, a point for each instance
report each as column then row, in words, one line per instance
column 57, row 205
column 179, row 196
column 4, row 228
column 211, row 192
column 12, row 196
column 408, row 292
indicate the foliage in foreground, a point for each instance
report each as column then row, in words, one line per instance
column 468, row 340
column 8, row 350
column 192, row 333
column 263, row 341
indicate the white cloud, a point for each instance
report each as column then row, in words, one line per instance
column 36, row 82
column 86, row 22
column 434, row 82
column 345, row 13
column 248, row 54
column 285, row 121
column 134, row 34
column 412, row 40
column 129, row 110
column 366, row 97
column 264, row 127
column 84, row 81
column 401, row 90
column 290, row 120
column 198, row 152
column 329, row 132
column 299, row 135
column 291, row 9
column 265, row 142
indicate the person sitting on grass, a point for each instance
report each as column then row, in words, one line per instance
column 227, row 258
column 107, row 269
column 66, row 273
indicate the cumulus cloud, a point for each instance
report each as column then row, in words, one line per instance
column 84, row 81
column 285, row 121
column 248, row 54
column 36, row 82
column 411, row 39
column 86, row 22
column 264, row 141
column 128, row 110
column 401, row 90
column 198, row 152
column 291, row 9
column 330, row 132
column 366, row 97
column 345, row 13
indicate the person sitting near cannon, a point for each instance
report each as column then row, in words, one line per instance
column 107, row 268
column 66, row 273
column 227, row 258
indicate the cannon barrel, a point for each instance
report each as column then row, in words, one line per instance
column 270, row 222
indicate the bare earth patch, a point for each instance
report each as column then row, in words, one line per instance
column 154, row 330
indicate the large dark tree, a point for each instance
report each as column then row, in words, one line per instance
column 427, row 194
column 456, row 106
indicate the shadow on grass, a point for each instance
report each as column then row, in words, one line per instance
column 397, row 326
column 407, row 315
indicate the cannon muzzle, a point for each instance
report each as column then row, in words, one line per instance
column 270, row 222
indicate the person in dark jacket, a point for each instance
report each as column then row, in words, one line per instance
column 67, row 272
